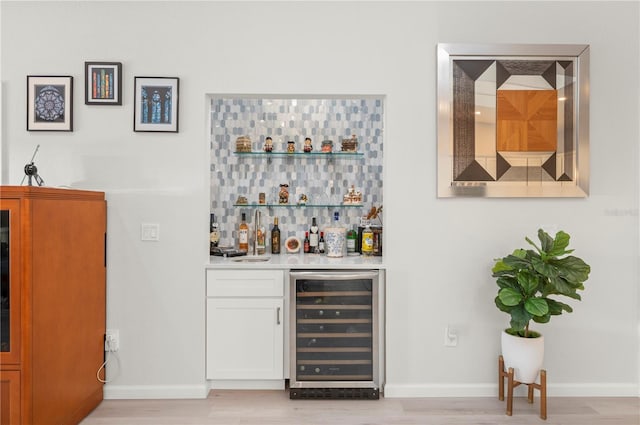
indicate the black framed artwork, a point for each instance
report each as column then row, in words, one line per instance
column 156, row 104
column 103, row 83
column 49, row 103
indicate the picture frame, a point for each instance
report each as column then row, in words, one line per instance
column 513, row 120
column 156, row 104
column 103, row 83
column 49, row 103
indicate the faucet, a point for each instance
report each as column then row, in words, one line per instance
column 256, row 223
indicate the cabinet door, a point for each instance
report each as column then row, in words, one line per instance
column 245, row 338
column 10, row 281
column 10, row 397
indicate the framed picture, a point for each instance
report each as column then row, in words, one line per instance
column 49, row 103
column 156, row 104
column 513, row 120
column 103, row 83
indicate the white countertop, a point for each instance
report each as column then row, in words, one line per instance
column 298, row 261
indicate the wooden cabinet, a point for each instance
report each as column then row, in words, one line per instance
column 245, row 328
column 53, row 304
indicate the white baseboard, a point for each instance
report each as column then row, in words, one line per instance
column 491, row 390
column 123, row 392
column 271, row 384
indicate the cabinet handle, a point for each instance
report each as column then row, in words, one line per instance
column 278, row 316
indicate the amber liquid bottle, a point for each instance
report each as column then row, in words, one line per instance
column 275, row 237
column 243, row 234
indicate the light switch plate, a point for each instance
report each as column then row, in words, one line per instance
column 150, row 232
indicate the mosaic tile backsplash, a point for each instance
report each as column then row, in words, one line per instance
column 324, row 180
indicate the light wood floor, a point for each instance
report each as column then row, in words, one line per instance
column 275, row 407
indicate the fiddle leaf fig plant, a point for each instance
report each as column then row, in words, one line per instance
column 529, row 280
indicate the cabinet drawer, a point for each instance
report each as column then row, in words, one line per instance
column 245, row 283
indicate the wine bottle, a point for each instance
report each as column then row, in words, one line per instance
column 243, row 234
column 321, row 243
column 313, row 236
column 275, row 237
column 214, row 233
column 306, row 242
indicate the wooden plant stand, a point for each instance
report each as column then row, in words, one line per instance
column 512, row 383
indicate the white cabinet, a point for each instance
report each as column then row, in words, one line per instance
column 245, row 328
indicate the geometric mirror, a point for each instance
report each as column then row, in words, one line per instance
column 513, row 120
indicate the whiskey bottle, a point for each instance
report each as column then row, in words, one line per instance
column 243, row 234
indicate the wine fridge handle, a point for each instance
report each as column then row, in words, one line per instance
column 278, row 316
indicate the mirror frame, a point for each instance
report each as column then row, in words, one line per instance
column 576, row 186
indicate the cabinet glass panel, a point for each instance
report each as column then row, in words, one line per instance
column 5, row 296
column 334, row 330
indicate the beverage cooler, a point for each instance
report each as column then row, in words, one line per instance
column 335, row 334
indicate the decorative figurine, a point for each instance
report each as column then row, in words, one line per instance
column 291, row 146
column 262, row 198
column 303, row 199
column 242, row 200
column 243, row 144
column 268, row 144
column 283, row 195
column 327, row 146
column 352, row 197
column 307, row 145
column 350, row 145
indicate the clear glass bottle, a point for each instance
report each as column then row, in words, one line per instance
column 243, row 234
column 352, row 237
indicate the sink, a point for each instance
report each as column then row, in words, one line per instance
column 251, row 259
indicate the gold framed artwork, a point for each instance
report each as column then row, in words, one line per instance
column 513, row 120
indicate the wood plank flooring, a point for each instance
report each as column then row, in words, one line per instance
column 275, row 407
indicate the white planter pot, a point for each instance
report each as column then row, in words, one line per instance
column 524, row 355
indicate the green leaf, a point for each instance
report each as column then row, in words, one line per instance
column 542, row 319
column 546, row 241
column 500, row 266
column 536, row 306
column 501, row 306
column 560, row 243
column 528, row 281
column 510, row 296
column 516, row 262
column 547, row 269
column 519, row 318
column 507, row 282
column 573, row 269
column 556, row 307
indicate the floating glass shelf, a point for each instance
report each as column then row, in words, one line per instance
column 327, row 155
column 299, row 205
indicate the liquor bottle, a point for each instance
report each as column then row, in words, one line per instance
column 214, row 233
column 243, row 234
column 275, row 237
column 352, row 236
column 260, row 241
column 367, row 240
column 306, row 242
column 321, row 243
column 313, row 236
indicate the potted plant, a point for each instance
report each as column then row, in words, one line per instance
column 529, row 280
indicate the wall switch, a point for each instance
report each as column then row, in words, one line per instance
column 450, row 337
column 112, row 340
column 150, row 232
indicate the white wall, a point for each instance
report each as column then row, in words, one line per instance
column 439, row 267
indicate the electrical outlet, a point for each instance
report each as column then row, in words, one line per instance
column 450, row 337
column 112, row 340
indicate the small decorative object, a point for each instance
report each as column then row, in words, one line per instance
column 242, row 200
column 303, row 199
column 308, row 147
column 268, row 144
column 156, row 104
column 49, row 103
column 283, row 195
column 102, row 83
column 527, row 280
column 350, row 145
column 291, row 146
column 243, row 144
column 352, row 197
column 31, row 171
column 327, row 146
column 292, row 244
column 262, row 198
column 375, row 212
